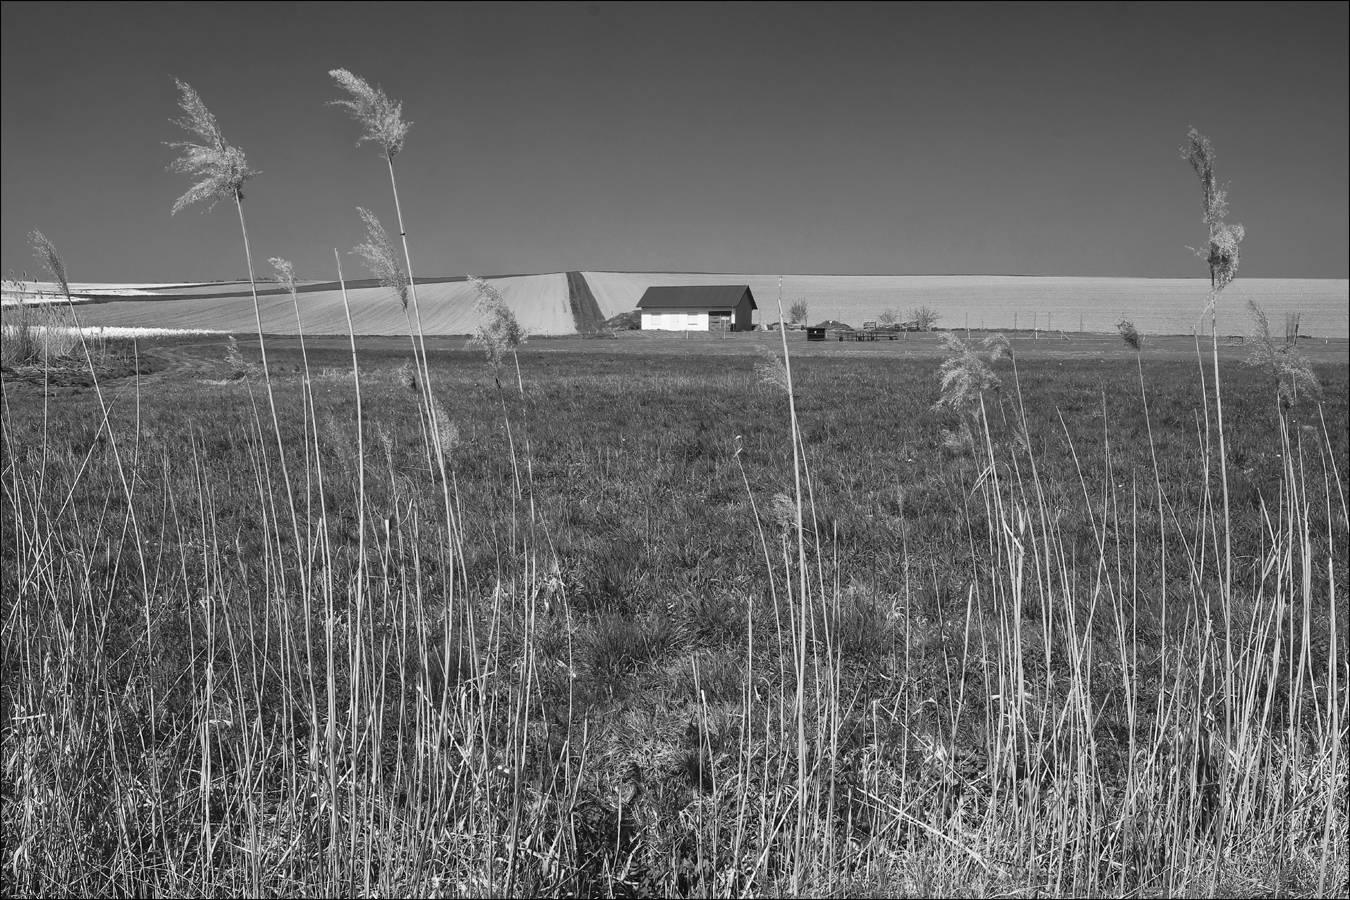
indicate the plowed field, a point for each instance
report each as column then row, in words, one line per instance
column 540, row 302
column 1155, row 305
column 543, row 303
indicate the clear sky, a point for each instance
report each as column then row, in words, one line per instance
column 793, row 137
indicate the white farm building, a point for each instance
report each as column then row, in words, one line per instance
column 698, row 307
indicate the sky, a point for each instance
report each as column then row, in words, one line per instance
column 776, row 138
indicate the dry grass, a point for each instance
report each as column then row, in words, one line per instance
column 344, row 692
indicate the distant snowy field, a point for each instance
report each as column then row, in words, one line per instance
column 541, row 303
column 1155, row 305
column 83, row 292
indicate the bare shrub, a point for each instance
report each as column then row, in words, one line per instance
column 924, row 318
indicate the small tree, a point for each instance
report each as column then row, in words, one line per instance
column 888, row 317
column 924, row 318
column 797, row 312
column 1129, row 334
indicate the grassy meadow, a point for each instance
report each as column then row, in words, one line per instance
column 569, row 635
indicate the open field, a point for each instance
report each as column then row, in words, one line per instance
column 592, row 652
column 541, row 302
column 1155, row 305
column 86, row 291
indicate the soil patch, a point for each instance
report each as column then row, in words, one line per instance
column 585, row 311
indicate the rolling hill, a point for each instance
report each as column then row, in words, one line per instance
column 564, row 303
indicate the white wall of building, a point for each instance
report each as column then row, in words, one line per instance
column 679, row 320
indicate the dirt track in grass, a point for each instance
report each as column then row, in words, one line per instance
column 585, row 311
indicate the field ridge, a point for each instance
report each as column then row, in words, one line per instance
column 585, row 311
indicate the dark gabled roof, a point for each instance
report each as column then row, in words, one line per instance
column 831, row 325
column 695, row 296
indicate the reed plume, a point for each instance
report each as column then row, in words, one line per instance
column 1288, row 367
column 378, row 255
column 286, row 277
column 498, row 332
column 285, row 272
column 39, row 332
column 219, row 167
column 220, row 170
column 965, row 375
column 51, row 260
column 381, row 117
column 382, row 120
column 1221, row 253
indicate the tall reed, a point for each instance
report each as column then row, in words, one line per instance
column 382, row 122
